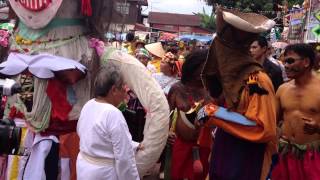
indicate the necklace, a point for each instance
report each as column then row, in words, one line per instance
column 44, row 46
column 22, row 41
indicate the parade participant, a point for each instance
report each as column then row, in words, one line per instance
column 139, row 44
column 106, row 150
column 260, row 52
column 182, row 48
column 130, row 43
column 157, row 52
column 298, row 110
column 184, row 137
column 246, row 121
column 169, row 72
column 143, row 56
column 277, row 62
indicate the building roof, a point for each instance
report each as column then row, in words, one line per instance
column 140, row 27
column 174, row 19
column 140, row 2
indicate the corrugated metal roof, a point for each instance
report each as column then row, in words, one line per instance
column 174, row 19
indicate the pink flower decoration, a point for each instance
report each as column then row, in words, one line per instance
column 4, row 38
column 97, row 45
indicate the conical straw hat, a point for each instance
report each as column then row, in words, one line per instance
column 156, row 49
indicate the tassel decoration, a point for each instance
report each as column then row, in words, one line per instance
column 86, row 8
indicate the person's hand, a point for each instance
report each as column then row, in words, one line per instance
column 310, row 126
column 171, row 138
column 202, row 117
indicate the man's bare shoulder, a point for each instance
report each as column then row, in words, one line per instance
column 284, row 87
column 316, row 79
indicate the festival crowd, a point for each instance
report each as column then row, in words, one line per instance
column 240, row 109
column 273, row 134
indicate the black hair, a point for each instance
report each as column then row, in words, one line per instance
column 262, row 41
column 130, row 37
column 303, row 50
column 193, row 61
column 140, row 42
column 173, row 50
column 106, row 78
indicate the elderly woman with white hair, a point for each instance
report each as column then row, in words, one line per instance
column 106, row 150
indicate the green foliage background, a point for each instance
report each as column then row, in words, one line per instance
column 265, row 7
column 252, row 5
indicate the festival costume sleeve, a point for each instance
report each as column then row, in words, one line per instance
column 225, row 114
column 258, row 108
column 125, row 164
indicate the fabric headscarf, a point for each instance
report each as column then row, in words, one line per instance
column 143, row 52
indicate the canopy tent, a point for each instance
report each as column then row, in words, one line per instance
column 118, row 36
column 165, row 36
column 189, row 37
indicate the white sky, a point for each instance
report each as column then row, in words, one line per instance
column 177, row 6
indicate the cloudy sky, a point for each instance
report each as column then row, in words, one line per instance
column 177, row 6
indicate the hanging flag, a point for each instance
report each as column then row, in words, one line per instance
column 313, row 27
column 316, row 31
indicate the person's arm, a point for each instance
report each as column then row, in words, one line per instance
column 257, row 108
column 212, row 110
column 279, row 111
column 125, row 163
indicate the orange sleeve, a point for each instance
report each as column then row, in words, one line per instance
column 258, row 108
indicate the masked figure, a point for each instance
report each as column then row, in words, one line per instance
column 246, row 124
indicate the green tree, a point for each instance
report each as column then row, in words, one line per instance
column 253, row 5
column 207, row 21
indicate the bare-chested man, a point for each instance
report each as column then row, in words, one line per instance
column 299, row 110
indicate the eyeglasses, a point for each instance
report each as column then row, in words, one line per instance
column 291, row 60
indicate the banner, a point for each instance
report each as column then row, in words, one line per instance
column 296, row 26
column 313, row 23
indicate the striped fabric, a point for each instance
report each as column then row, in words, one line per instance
column 35, row 5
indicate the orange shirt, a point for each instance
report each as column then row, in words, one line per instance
column 262, row 110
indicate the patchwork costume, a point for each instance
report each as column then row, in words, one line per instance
column 246, row 122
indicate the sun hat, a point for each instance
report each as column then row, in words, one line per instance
column 156, row 49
